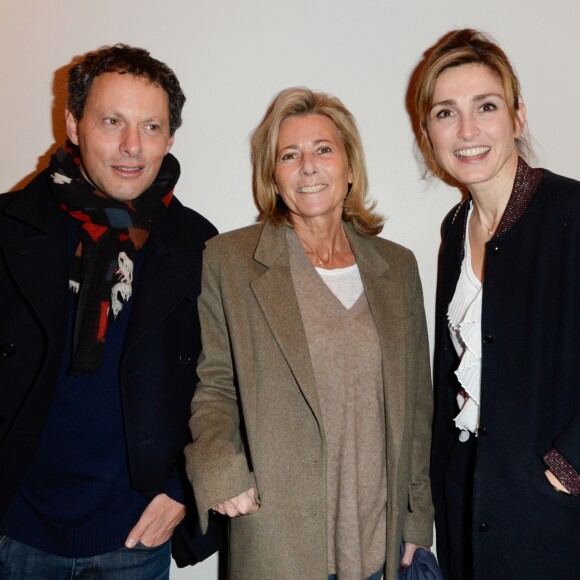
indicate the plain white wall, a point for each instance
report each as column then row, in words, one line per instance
column 233, row 56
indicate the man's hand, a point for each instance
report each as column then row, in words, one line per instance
column 157, row 522
column 241, row 505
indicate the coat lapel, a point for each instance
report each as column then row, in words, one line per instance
column 171, row 263
column 385, row 297
column 274, row 291
column 38, row 261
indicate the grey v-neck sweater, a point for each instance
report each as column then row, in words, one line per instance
column 346, row 358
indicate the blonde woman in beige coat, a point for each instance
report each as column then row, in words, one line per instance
column 311, row 420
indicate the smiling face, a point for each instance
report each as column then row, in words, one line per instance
column 471, row 130
column 312, row 170
column 123, row 134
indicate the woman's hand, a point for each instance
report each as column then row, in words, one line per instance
column 241, row 505
column 410, row 550
column 555, row 481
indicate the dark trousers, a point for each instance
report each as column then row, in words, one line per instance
column 459, row 507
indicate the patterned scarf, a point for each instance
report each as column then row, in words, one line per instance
column 111, row 232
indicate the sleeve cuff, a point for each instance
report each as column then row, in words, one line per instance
column 565, row 473
column 174, row 490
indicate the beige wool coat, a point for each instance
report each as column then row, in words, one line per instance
column 256, row 419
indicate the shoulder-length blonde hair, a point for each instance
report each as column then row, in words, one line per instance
column 301, row 101
column 456, row 48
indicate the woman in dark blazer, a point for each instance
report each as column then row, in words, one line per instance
column 312, row 415
column 506, row 444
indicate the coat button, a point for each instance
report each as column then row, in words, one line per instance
column 488, row 338
column 7, row 349
column 494, row 249
column 184, row 358
column 483, row 527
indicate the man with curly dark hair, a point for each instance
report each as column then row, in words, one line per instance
column 99, row 336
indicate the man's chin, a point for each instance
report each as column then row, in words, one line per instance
column 125, row 194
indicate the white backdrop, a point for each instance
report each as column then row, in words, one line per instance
column 233, row 56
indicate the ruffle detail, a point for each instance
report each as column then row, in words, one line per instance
column 464, row 321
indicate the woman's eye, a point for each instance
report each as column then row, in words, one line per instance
column 325, row 149
column 443, row 113
column 487, row 107
column 288, row 156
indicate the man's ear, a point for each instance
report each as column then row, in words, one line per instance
column 71, row 126
column 170, row 144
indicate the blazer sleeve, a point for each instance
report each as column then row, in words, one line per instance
column 216, row 460
column 418, row 527
column 568, row 442
column 564, row 458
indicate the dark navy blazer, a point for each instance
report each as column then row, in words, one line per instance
column 530, row 388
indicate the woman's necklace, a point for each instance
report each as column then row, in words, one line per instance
column 321, row 262
column 489, row 230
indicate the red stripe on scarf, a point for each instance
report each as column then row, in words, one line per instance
column 167, row 198
column 95, row 230
column 78, row 215
column 103, row 321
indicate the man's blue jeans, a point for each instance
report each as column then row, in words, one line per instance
column 21, row 562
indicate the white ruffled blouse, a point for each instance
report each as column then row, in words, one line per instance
column 464, row 321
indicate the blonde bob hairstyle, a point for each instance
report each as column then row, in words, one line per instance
column 457, row 48
column 299, row 102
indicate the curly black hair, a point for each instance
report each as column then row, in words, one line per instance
column 123, row 59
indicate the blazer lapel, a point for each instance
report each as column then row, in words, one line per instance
column 274, row 291
column 385, row 298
